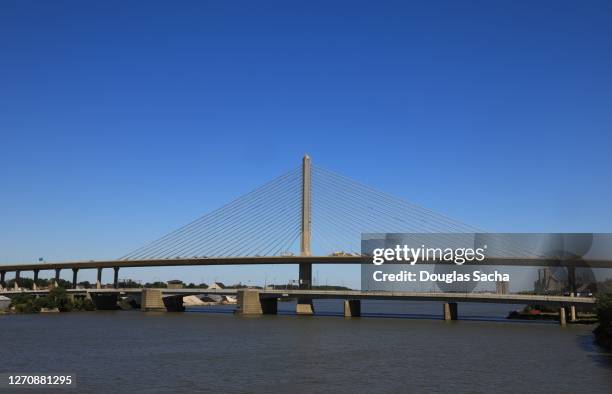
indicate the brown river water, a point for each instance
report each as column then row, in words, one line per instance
column 397, row 347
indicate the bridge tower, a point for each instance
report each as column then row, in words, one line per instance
column 306, row 199
column 304, row 305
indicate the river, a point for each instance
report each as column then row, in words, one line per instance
column 405, row 348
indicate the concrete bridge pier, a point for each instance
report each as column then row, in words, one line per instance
column 562, row 320
column 16, row 284
column 450, row 311
column 34, row 285
column 304, row 305
column 2, row 276
column 151, row 300
column 352, row 308
column 99, row 278
column 251, row 303
column 116, row 277
column 248, row 302
column 57, row 277
column 74, row 277
column 573, row 313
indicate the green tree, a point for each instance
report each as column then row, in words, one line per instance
column 24, row 303
column 43, row 302
column 64, row 283
column 156, row 285
column 58, row 298
column 84, row 284
column 24, row 283
column 83, row 304
column 28, row 307
column 129, row 284
column 603, row 332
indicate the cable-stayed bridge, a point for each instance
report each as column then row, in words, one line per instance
column 309, row 215
column 307, row 211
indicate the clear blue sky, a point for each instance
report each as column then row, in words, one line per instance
column 121, row 121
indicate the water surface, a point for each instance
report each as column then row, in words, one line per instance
column 219, row 352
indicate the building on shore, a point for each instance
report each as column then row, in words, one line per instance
column 549, row 282
column 502, row 287
column 5, row 303
column 175, row 284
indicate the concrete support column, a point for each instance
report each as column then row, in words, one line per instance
column 57, row 276
column 74, row 277
column 305, row 276
column 305, row 249
column 352, row 308
column 249, row 302
column 16, row 284
column 151, row 300
column 573, row 313
column 116, row 277
column 562, row 320
column 99, row 279
column 34, row 286
column 304, row 304
column 450, row 311
column 2, row 276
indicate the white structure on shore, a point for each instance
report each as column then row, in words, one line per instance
column 5, row 302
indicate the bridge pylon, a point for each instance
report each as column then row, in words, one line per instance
column 304, row 305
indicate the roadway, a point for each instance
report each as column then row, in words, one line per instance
column 356, row 295
column 286, row 260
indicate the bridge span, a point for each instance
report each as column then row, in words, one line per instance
column 307, row 216
column 265, row 301
column 75, row 266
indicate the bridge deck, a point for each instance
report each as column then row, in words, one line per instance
column 363, row 295
column 284, row 260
